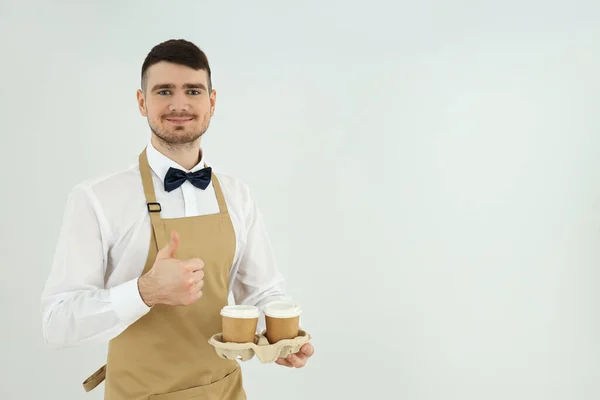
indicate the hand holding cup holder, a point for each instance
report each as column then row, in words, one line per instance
column 239, row 340
column 266, row 352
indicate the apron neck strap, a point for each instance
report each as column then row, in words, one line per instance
column 154, row 208
column 219, row 193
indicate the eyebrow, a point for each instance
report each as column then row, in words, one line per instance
column 162, row 86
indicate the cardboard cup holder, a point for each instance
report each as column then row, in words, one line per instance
column 266, row 352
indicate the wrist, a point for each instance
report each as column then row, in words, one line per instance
column 147, row 290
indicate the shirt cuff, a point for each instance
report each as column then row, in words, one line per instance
column 127, row 301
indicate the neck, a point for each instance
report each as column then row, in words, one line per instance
column 186, row 154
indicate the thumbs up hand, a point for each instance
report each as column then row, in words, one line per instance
column 172, row 281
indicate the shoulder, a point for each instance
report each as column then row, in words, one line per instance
column 111, row 184
column 238, row 196
column 111, row 192
column 232, row 185
column 236, row 192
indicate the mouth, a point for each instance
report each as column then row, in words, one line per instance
column 179, row 121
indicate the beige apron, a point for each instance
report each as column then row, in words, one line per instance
column 165, row 355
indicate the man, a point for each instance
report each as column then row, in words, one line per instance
column 147, row 257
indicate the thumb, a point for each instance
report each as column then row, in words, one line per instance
column 170, row 248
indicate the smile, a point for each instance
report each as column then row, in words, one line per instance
column 179, row 121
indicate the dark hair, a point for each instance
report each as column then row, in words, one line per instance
column 177, row 51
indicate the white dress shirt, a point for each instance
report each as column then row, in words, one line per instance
column 91, row 294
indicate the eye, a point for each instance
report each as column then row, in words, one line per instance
column 194, row 92
column 163, row 92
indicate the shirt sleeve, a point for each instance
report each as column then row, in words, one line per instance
column 258, row 280
column 76, row 306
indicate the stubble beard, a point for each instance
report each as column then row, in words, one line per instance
column 178, row 137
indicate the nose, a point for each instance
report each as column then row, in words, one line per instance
column 179, row 103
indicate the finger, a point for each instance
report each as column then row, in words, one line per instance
column 284, row 362
column 308, row 350
column 198, row 275
column 192, row 298
column 195, row 265
column 196, row 293
column 170, row 248
column 198, row 286
column 297, row 360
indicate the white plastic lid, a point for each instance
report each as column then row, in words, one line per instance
column 240, row 311
column 282, row 309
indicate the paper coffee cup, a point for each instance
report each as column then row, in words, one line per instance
column 239, row 323
column 282, row 319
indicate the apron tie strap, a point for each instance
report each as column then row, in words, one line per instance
column 95, row 379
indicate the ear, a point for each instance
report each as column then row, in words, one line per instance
column 213, row 102
column 141, row 99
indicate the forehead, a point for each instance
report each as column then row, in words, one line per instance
column 166, row 72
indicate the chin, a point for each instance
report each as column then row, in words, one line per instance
column 181, row 137
column 178, row 134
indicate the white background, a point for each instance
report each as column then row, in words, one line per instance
column 428, row 170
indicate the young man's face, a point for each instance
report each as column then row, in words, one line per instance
column 177, row 102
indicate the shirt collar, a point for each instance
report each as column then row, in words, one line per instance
column 160, row 164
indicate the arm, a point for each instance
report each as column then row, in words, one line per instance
column 258, row 280
column 76, row 306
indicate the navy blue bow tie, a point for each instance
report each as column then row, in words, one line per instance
column 175, row 178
